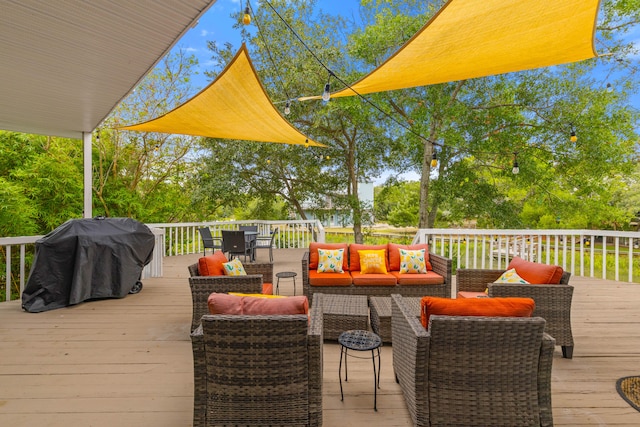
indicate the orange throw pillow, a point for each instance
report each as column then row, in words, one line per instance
column 491, row 307
column 211, row 265
column 535, row 272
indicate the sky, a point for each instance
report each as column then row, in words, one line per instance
column 217, row 25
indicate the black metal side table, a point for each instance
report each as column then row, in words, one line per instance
column 286, row 275
column 360, row 340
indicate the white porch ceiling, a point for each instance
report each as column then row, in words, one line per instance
column 66, row 64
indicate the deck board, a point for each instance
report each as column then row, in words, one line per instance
column 127, row 362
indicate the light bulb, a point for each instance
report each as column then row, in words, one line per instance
column 287, row 109
column 573, row 137
column 434, row 160
column 326, row 95
column 246, row 19
column 268, row 161
column 516, row 168
column 609, row 88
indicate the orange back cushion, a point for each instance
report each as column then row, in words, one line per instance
column 211, row 265
column 536, row 273
column 234, row 304
column 394, row 255
column 354, row 256
column 493, row 307
column 313, row 254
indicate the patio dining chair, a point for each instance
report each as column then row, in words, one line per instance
column 266, row 242
column 208, row 241
column 234, row 244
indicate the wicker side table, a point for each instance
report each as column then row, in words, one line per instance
column 381, row 314
column 343, row 313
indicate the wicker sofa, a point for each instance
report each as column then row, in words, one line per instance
column 259, row 369
column 481, row 371
column 354, row 283
column 553, row 301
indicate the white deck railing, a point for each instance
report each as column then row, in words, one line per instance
column 611, row 255
column 170, row 239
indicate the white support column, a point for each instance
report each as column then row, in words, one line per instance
column 88, row 174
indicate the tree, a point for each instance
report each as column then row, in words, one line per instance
column 480, row 127
column 144, row 175
column 358, row 144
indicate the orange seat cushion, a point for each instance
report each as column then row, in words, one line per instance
column 373, row 279
column 354, row 257
column 313, row 254
column 492, row 307
column 267, row 288
column 329, row 279
column 535, row 272
column 469, row 294
column 428, row 278
column 211, row 265
column 232, row 304
column 394, row 255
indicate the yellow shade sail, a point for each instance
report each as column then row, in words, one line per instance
column 476, row 38
column 234, row 106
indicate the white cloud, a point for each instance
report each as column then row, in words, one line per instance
column 204, row 33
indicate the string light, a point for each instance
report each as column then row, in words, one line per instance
column 326, row 95
column 434, row 159
column 516, row 169
column 609, row 87
column 573, row 137
column 287, row 108
column 246, row 19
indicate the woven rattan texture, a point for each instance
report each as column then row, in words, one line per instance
column 203, row 286
column 258, row 370
column 344, row 312
column 553, row 302
column 493, row 371
column 380, row 310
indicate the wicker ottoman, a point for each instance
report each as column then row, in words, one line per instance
column 343, row 313
column 381, row 314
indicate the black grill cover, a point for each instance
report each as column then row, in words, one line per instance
column 87, row 259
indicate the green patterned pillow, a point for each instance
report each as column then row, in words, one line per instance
column 412, row 261
column 234, row 268
column 510, row 276
column 330, row 260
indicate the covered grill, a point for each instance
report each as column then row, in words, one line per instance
column 86, row 259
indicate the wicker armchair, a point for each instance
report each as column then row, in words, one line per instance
column 259, row 370
column 553, row 302
column 481, row 371
column 203, row 286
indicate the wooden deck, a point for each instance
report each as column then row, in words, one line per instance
column 128, row 362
